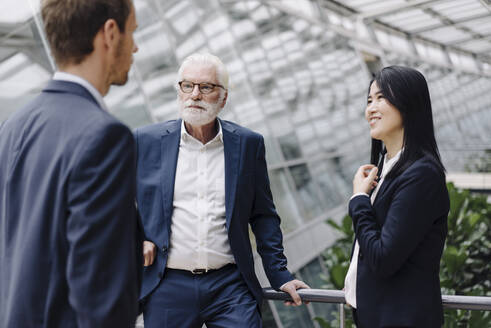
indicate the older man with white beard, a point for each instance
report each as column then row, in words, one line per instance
column 201, row 182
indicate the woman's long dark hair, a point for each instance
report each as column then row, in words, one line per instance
column 406, row 89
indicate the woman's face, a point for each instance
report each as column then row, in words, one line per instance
column 384, row 119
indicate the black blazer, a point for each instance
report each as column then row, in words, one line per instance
column 68, row 254
column 401, row 240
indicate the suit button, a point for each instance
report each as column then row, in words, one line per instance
column 164, row 249
column 361, row 255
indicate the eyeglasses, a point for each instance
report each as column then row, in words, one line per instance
column 204, row 88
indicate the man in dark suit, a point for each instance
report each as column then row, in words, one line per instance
column 201, row 182
column 68, row 227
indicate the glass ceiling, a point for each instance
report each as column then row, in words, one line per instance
column 460, row 25
column 297, row 70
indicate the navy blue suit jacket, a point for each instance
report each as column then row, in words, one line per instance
column 401, row 240
column 248, row 200
column 68, row 250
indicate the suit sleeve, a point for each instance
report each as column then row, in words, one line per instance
column 419, row 200
column 141, row 229
column 102, row 232
column 265, row 224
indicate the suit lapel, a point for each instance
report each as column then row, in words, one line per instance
column 383, row 189
column 169, row 150
column 231, row 148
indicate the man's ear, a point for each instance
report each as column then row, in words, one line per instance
column 111, row 34
column 224, row 101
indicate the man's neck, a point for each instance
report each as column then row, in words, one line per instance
column 89, row 72
column 203, row 133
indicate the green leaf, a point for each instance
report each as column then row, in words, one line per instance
column 479, row 319
column 337, row 275
column 474, row 218
column 347, row 225
column 334, row 225
column 454, row 259
column 322, row 322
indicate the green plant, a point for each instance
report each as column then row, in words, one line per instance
column 464, row 268
column 337, row 259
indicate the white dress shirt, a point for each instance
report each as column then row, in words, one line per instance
column 199, row 238
column 64, row 76
column 350, row 280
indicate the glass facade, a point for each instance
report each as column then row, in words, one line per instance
column 299, row 76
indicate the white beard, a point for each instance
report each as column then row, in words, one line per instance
column 197, row 116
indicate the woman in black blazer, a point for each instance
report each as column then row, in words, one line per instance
column 399, row 209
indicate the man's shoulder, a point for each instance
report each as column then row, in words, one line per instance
column 91, row 118
column 70, row 100
column 67, row 94
column 73, row 113
column 240, row 130
column 80, row 127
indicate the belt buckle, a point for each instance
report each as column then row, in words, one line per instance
column 198, row 271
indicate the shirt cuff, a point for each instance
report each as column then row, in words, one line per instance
column 359, row 194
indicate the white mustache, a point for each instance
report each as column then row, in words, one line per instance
column 188, row 103
column 205, row 114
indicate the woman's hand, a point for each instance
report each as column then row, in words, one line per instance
column 364, row 179
column 149, row 252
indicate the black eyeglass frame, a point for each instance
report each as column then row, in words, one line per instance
column 200, row 85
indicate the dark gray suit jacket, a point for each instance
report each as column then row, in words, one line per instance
column 68, row 250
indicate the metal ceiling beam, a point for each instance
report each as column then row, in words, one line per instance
column 10, row 26
column 473, row 35
column 454, row 4
column 18, row 43
column 487, row 4
column 393, row 9
column 448, row 22
column 480, row 37
column 437, row 15
column 16, row 28
column 389, row 29
column 337, row 7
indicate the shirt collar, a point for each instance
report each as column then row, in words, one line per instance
column 389, row 163
column 185, row 136
column 64, row 76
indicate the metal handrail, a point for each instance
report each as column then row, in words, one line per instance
column 337, row 296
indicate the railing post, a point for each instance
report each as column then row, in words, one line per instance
column 341, row 315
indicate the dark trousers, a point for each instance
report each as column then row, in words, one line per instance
column 358, row 325
column 219, row 299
